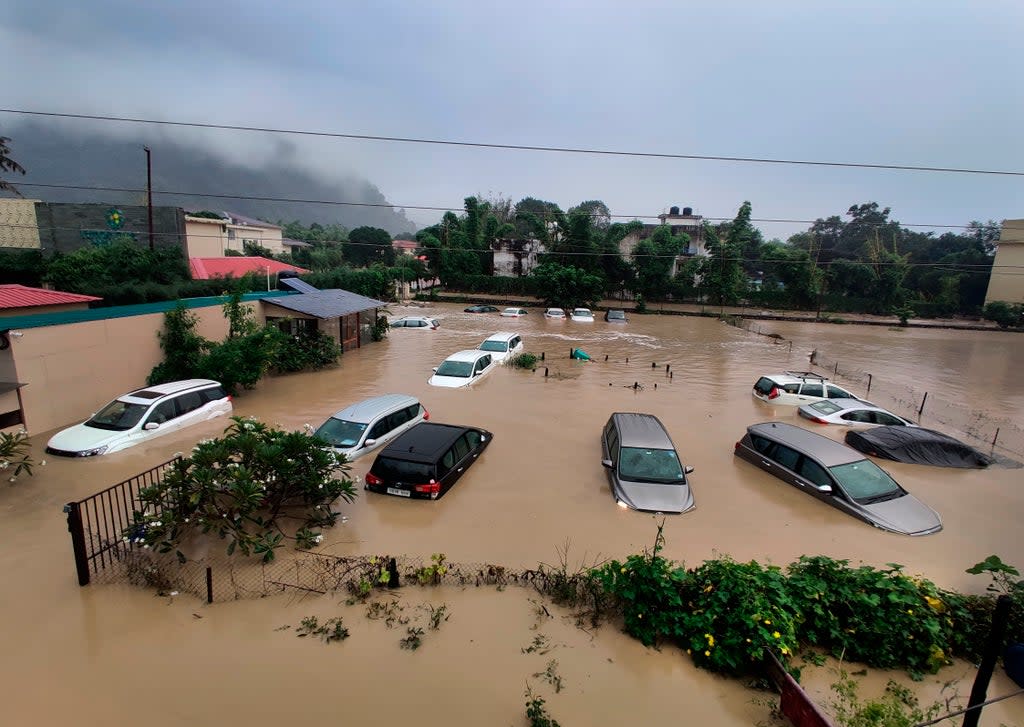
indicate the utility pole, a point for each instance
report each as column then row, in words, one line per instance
column 149, row 193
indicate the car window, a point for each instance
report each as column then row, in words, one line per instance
column 650, row 465
column 214, row 393
column 764, row 385
column 340, row 433
column 835, row 392
column 460, row 369
column 163, row 412
column 189, row 401
column 473, row 438
column 813, row 390
column 398, row 324
column 785, row 456
column 814, row 472
column 858, row 415
column 826, row 407
column 761, row 445
column 791, row 388
column 461, row 448
column 865, row 481
column 515, row 342
column 393, row 469
column 118, row 416
column 882, row 417
column 499, row 346
column 382, row 427
column 447, row 461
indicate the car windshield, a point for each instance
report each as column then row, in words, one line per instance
column 866, row 482
column 118, row 416
column 650, row 465
column 461, row 369
column 616, row 314
column 826, row 407
column 499, row 346
column 340, row 433
column 398, row 470
column 582, row 312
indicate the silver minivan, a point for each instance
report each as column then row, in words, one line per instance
column 838, row 475
column 643, row 467
column 365, row 426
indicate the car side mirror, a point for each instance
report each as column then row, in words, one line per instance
column 150, row 426
column 369, row 442
column 824, row 489
column 434, row 369
column 607, row 463
column 687, row 470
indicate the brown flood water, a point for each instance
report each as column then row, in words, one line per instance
column 106, row 654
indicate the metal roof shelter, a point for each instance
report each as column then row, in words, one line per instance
column 325, row 304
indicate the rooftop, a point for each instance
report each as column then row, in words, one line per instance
column 326, row 304
column 22, row 296
column 205, row 268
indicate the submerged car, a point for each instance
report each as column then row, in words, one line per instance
column 481, row 309
column 462, row 368
column 797, row 387
column 514, row 312
column 502, row 345
column 582, row 315
column 141, row 415
column 555, row 313
column 363, row 427
column 427, row 460
column 916, row 445
column 615, row 316
column 838, row 475
column 851, row 412
column 643, row 466
column 420, row 322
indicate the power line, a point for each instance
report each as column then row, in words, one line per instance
column 518, row 147
column 298, row 200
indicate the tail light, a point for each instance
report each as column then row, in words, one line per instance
column 431, row 488
column 426, row 414
column 736, row 446
column 818, row 420
column 774, row 392
column 372, row 479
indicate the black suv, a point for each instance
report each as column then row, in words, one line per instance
column 426, row 460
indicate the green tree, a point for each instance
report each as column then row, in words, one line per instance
column 533, row 215
column 722, row 277
column 600, row 215
column 794, row 269
column 653, row 260
column 182, row 346
column 8, row 165
column 368, row 245
column 567, row 287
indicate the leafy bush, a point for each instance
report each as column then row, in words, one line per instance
column 522, row 360
column 183, row 347
column 1005, row 315
column 313, row 350
column 240, row 361
column 14, row 451
column 240, row 487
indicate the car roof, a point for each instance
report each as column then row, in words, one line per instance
column 470, row 354
column 367, row 410
column 827, row 451
column 796, row 377
column 641, row 430
column 502, row 336
column 425, row 442
column 152, row 393
column 576, row 309
column 846, row 404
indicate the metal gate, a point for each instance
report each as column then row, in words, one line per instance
column 97, row 524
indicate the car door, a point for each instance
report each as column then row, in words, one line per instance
column 811, row 477
column 811, row 391
column 857, row 416
column 166, row 415
column 190, row 408
column 461, row 458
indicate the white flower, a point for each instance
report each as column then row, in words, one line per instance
column 43, row 463
column 146, row 546
column 124, row 539
column 186, row 519
column 4, row 465
column 11, row 480
column 174, row 593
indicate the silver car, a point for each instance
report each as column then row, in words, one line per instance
column 642, row 464
column 365, row 426
column 850, row 413
column 838, row 475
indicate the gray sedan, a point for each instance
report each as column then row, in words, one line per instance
column 643, row 467
column 838, row 475
column 850, row 413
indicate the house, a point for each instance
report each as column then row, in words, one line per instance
column 515, row 257
column 405, row 247
column 21, row 300
column 346, row 317
column 208, row 236
column 1007, row 282
column 235, row 266
column 684, row 222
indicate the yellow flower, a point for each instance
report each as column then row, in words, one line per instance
column 910, row 636
column 785, row 650
column 777, row 635
column 639, row 615
column 710, row 638
column 688, row 651
column 709, row 589
column 623, row 569
column 935, row 604
column 748, row 641
column 707, row 653
column 910, row 611
column 767, row 622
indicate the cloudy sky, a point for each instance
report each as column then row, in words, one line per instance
column 930, row 83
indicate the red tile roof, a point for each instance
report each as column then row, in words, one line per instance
column 22, row 296
column 404, row 244
column 204, row 268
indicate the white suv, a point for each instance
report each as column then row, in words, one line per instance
column 797, row 387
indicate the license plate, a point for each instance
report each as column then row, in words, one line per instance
column 400, row 493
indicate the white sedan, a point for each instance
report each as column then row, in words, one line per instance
column 582, row 315
column 514, row 312
column 462, row 369
column 421, row 323
column 851, row 412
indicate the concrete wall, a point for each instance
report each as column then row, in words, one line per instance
column 1007, row 281
column 72, row 370
column 206, row 238
column 267, row 237
column 18, row 227
column 34, row 309
column 65, row 227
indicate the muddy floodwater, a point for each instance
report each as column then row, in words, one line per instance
column 108, row 654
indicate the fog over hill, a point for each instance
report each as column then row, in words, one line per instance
column 64, row 154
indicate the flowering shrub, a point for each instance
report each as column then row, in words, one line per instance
column 241, row 487
column 14, row 453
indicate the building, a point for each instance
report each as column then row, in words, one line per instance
column 684, row 222
column 405, row 247
column 21, row 300
column 515, row 257
column 1007, row 281
column 213, row 237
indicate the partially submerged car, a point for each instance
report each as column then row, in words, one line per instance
column 851, row 412
column 837, row 475
column 363, row 427
column 502, row 345
column 481, row 309
column 141, row 415
column 427, row 460
column 643, row 466
column 615, row 316
column 514, row 312
column 419, row 322
column 555, row 314
column 582, row 315
column 462, row 369
column 917, row 446
column 797, row 387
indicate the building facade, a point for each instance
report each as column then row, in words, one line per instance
column 1007, row 281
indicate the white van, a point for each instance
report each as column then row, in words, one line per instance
column 365, row 426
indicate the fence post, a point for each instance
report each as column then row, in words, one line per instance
column 995, row 438
column 835, row 372
column 77, row 530
column 209, row 584
column 869, row 386
column 923, row 400
column 988, row 660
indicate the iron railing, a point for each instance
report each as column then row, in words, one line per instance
column 98, row 523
